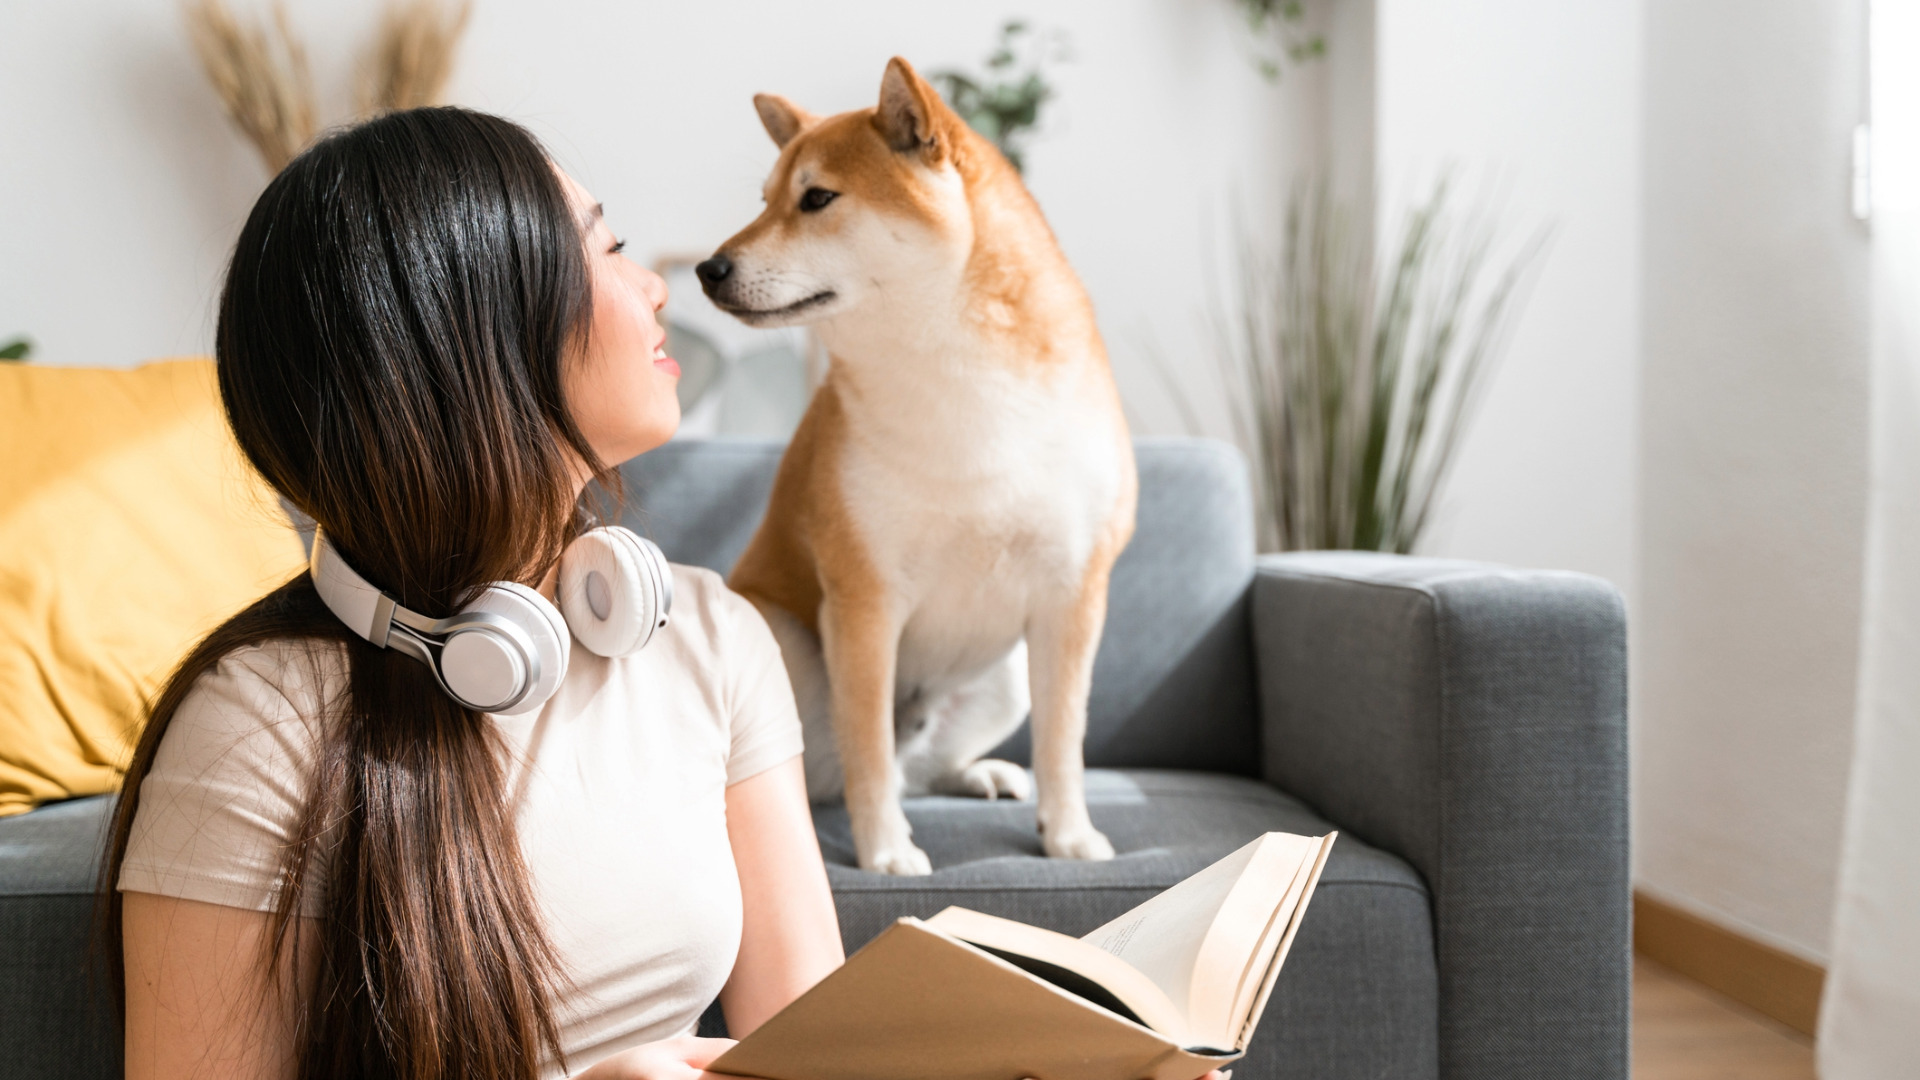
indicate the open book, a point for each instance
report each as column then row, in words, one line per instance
column 1169, row 990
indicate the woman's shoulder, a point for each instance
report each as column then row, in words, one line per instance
column 706, row 612
column 301, row 673
column 730, row 650
column 257, row 703
column 229, row 780
column 715, row 629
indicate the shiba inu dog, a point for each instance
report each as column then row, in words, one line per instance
column 935, row 556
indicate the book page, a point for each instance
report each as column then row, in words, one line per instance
column 1161, row 938
column 1069, row 963
column 1263, row 988
column 1265, row 954
column 1266, row 892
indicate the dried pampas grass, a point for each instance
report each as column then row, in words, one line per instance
column 412, row 57
column 261, row 73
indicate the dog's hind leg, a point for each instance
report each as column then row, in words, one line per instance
column 807, row 671
column 942, row 739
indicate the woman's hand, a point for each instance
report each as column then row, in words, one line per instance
column 684, row 1058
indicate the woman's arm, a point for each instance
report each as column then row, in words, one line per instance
column 791, row 938
column 199, row 1002
column 199, row 1006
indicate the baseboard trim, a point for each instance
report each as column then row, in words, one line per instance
column 1757, row 975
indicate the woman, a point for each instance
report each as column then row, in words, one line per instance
column 430, row 343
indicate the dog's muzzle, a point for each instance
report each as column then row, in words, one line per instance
column 714, row 273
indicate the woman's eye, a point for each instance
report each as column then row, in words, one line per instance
column 618, row 247
column 816, row 199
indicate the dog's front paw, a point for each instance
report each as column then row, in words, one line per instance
column 884, row 839
column 990, row 778
column 903, row 860
column 1082, row 842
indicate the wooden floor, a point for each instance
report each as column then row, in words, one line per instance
column 1683, row 1031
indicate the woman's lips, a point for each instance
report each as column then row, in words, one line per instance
column 667, row 364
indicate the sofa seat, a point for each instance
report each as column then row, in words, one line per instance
column 1363, row 961
column 54, row 1021
column 1364, row 958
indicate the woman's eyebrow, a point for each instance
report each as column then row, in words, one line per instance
column 586, row 223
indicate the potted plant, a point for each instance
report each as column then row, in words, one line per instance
column 1350, row 387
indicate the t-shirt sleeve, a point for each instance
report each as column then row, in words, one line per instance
column 221, row 803
column 764, row 723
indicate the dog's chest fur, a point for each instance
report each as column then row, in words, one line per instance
column 979, row 491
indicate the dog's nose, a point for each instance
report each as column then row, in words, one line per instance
column 714, row 270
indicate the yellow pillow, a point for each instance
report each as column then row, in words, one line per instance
column 130, row 526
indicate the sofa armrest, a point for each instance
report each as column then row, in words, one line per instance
column 1473, row 720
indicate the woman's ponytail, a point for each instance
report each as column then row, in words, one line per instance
column 392, row 334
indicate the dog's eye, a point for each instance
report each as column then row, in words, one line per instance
column 815, row 198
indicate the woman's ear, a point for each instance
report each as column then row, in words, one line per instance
column 782, row 118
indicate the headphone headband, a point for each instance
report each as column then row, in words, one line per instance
column 366, row 610
column 506, row 651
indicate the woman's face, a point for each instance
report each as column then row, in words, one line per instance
column 621, row 392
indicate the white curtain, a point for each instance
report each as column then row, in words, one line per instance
column 1870, row 1019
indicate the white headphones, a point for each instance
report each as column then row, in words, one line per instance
column 506, row 652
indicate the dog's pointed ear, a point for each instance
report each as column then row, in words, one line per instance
column 909, row 111
column 782, row 118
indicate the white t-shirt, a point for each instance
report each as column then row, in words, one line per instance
column 618, row 785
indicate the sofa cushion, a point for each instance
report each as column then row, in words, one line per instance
column 1173, row 683
column 132, row 526
column 1359, row 994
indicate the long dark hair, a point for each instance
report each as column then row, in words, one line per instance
column 391, row 340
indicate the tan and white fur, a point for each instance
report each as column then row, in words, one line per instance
column 944, row 522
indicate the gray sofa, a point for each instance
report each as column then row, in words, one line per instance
column 1463, row 725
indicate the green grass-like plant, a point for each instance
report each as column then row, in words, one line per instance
column 18, row 349
column 1350, row 389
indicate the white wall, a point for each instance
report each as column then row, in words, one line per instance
column 1682, row 409
column 1711, row 466
column 1535, row 108
column 124, row 187
column 1754, row 460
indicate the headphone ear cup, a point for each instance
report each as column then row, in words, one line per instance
column 545, row 633
column 616, row 589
